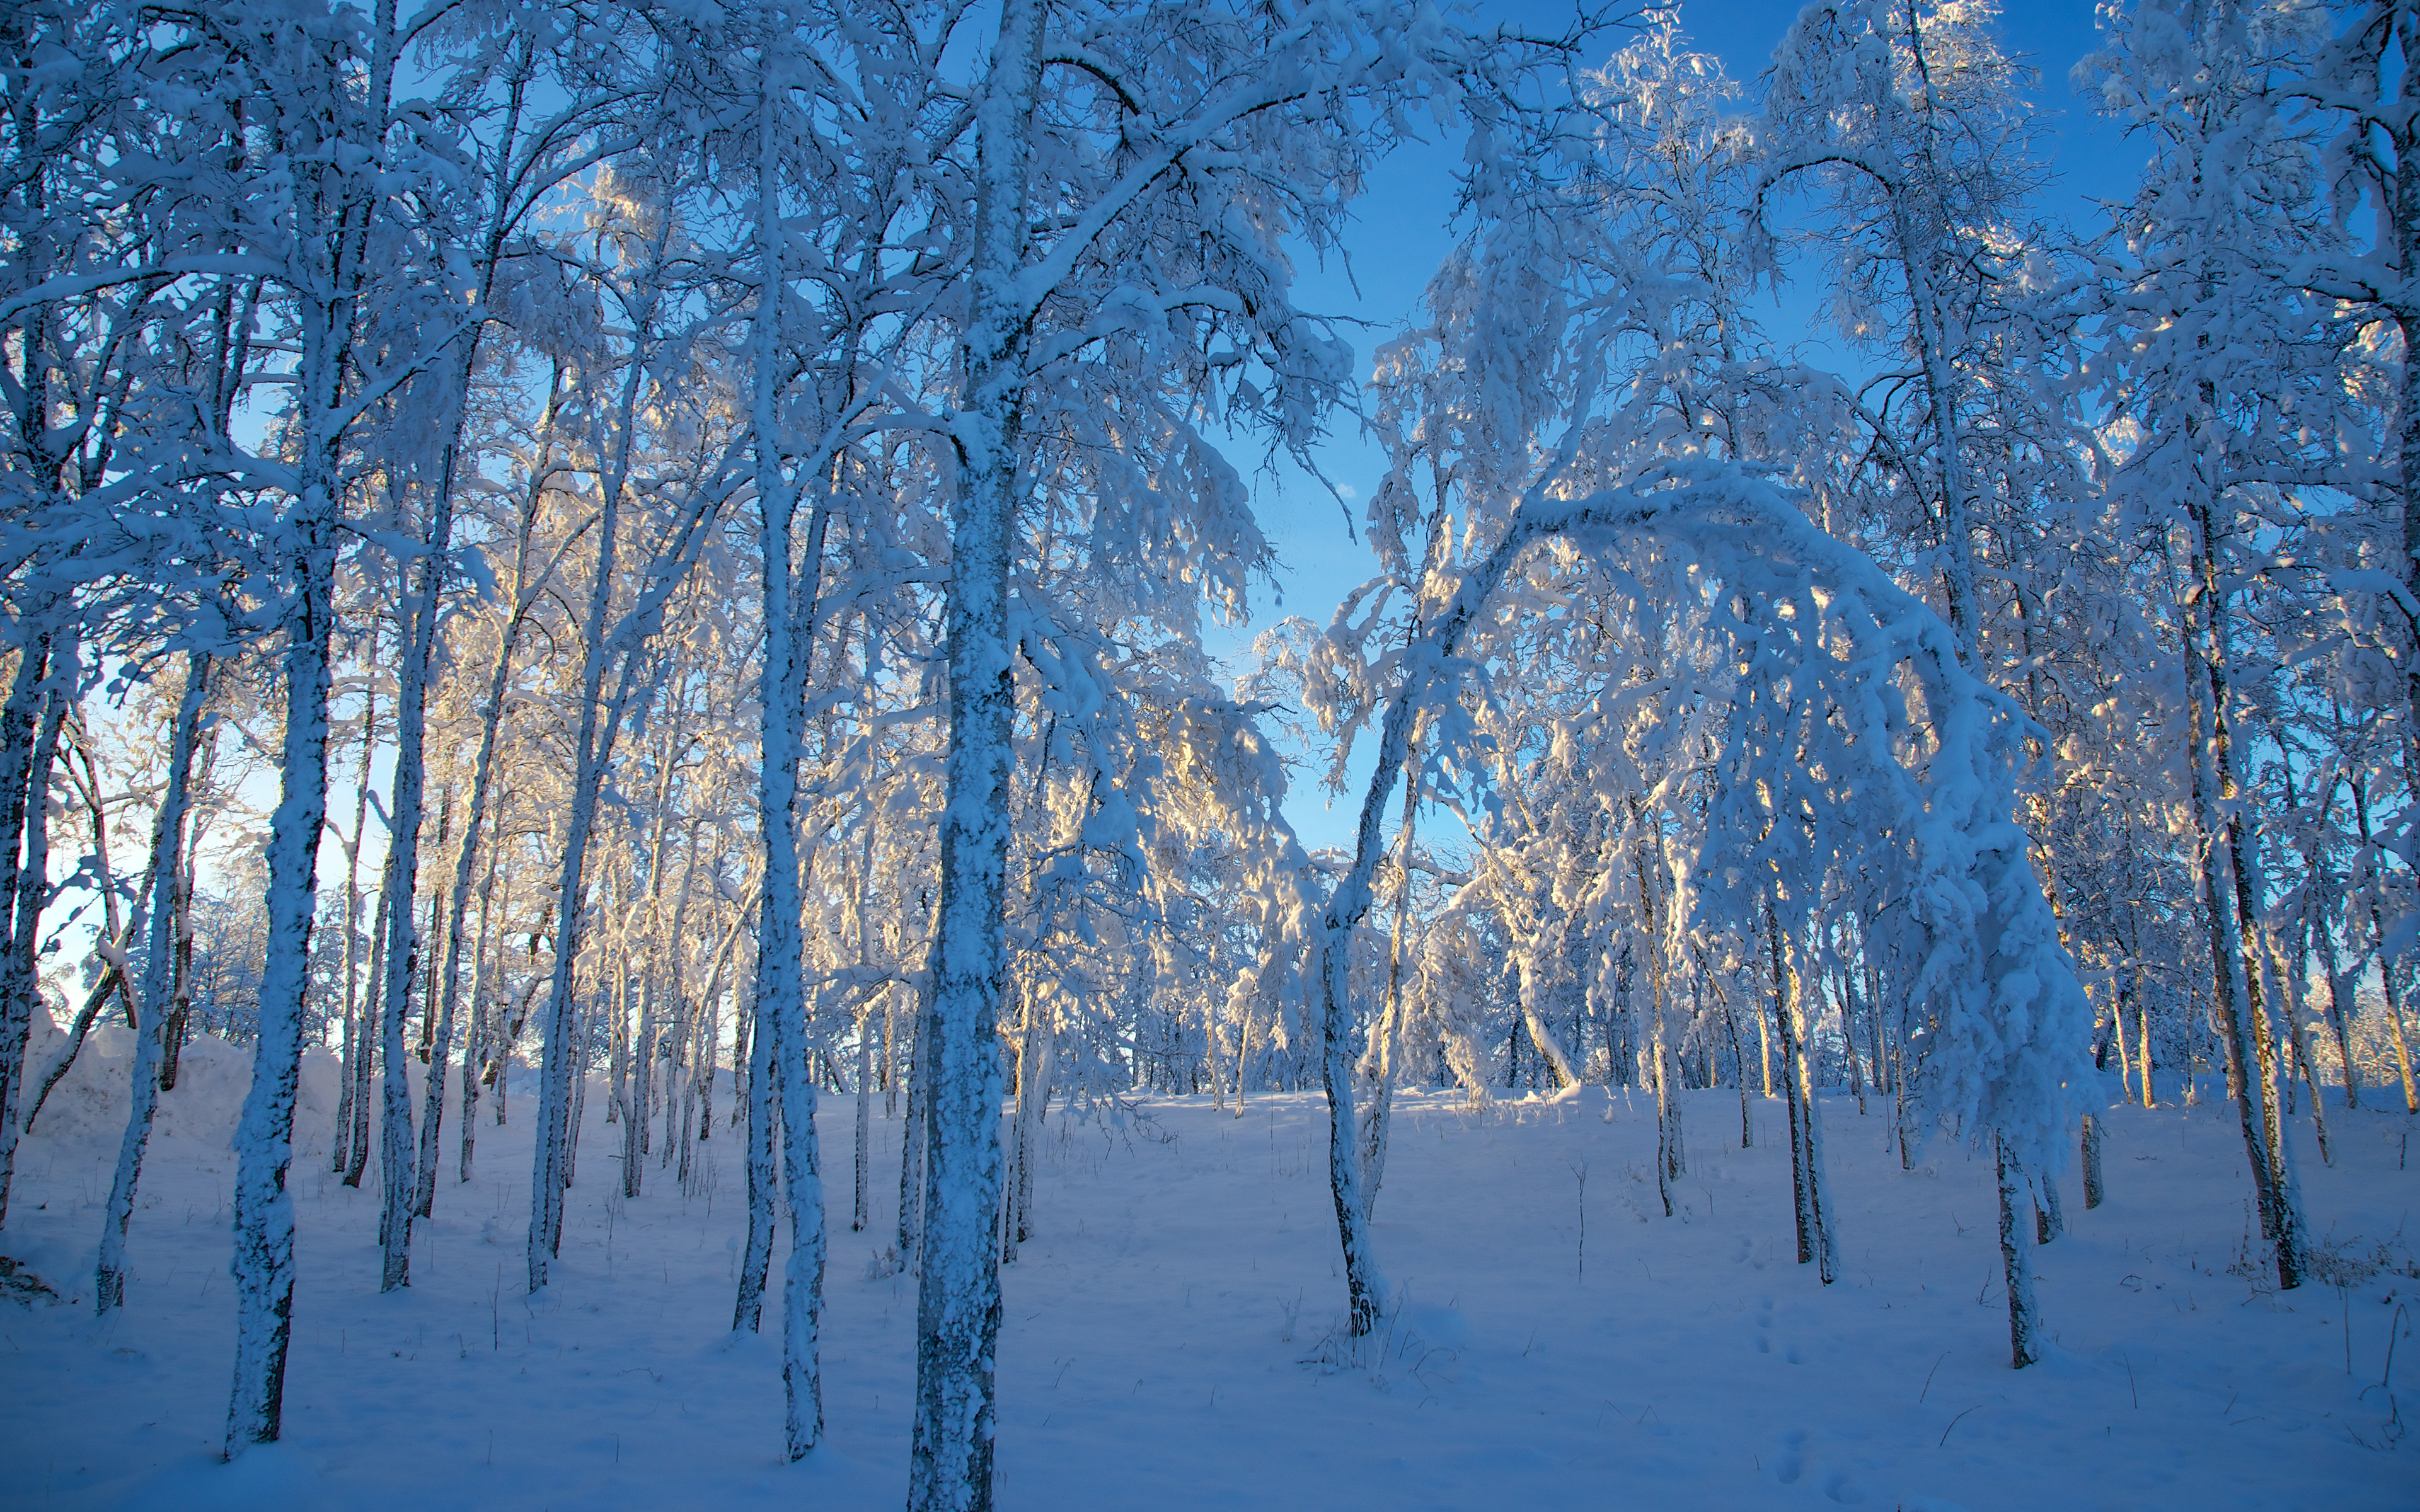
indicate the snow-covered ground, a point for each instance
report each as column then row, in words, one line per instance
column 1169, row 1340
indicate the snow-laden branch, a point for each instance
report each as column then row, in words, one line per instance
column 2007, row 1019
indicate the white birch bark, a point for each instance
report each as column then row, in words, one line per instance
column 957, row 1310
column 2219, row 852
column 357, row 1132
column 907, row 1249
column 20, row 973
column 763, row 1129
column 338, row 149
column 391, row 1005
column 168, row 870
column 340, row 1143
column 18, row 722
column 781, row 1052
column 2025, row 1339
column 1386, row 1036
column 264, row 1212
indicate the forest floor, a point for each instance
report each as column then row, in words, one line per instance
column 1170, row 1338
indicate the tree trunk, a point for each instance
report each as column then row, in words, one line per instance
column 483, row 1030
column 908, row 1250
column 264, row 1213
column 1957, row 528
column 357, row 1133
column 1738, row 1066
column 2093, row 1190
column 858, row 1217
column 1669, row 1161
column 1798, row 1088
column 168, row 870
column 957, row 1318
column 392, row 1005
column 2219, row 850
column 341, row 1143
column 1380, row 1055
column 802, row 1276
column 2017, row 1266
column 764, row 1122
column 21, row 972
column 180, row 994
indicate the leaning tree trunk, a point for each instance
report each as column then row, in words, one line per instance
column 2220, row 852
column 167, row 869
column 562, row 1082
column 180, row 993
column 564, row 1064
column 1382, row 1038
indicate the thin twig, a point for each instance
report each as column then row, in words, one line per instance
column 1954, row 1421
column 1927, row 1379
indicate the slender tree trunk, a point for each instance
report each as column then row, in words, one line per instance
column 2219, row 847
column 1738, row 1066
column 2298, row 1040
column 1764, row 1022
column 1669, row 1160
column 858, row 1217
column 957, row 1318
column 2093, row 1189
column 890, row 1052
column 484, row 1030
column 2017, row 1266
column 2050, row 1220
column 118, row 935
column 1802, row 1200
column 2117, row 1034
column 112, row 984
column 1827, row 1252
column 764, row 1124
column 1381, row 1053
column 1941, row 395
column 340, row 1146
column 802, row 1276
column 264, row 1213
column 392, row 1005
column 2322, row 907
column 357, row 1135
column 2378, row 945
column 180, row 995
column 20, row 974
column 562, row 1082
column 909, row 1248
column 167, row 869
column 18, row 722
column 2143, row 1050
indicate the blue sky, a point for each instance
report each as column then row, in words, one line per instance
column 1402, row 232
